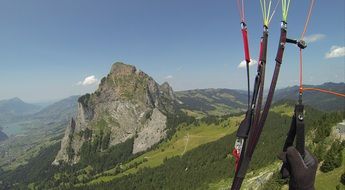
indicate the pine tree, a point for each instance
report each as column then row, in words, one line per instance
column 333, row 158
column 342, row 178
column 319, row 151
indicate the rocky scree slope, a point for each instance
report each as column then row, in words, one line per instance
column 127, row 104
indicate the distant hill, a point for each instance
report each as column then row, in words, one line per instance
column 62, row 110
column 15, row 107
column 50, row 116
column 202, row 102
column 315, row 99
column 212, row 101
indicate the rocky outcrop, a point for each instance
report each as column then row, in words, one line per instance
column 152, row 132
column 127, row 104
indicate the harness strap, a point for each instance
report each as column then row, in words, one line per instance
column 247, row 123
column 255, row 135
column 297, row 131
column 288, row 142
column 300, row 132
column 262, row 64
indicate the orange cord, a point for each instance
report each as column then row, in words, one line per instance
column 300, row 50
column 240, row 7
column 324, row 91
column 300, row 72
column 243, row 11
column 301, row 89
column 308, row 18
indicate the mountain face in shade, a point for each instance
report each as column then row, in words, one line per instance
column 59, row 111
column 3, row 136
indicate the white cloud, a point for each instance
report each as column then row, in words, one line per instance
column 168, row 77
column 90, row 80
column 314, row 38
column 335, row 51
column 243, row 63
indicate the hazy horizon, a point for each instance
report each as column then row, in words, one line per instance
column 46, row 102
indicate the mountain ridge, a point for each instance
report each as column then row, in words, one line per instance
column 221, row 101
column 316, row 99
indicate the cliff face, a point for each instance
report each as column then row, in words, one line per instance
column 127, row 104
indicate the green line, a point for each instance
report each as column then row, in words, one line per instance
column 269, row 12
column 262, row 10
column 265, row 12
column 283, row 9
column 287, row 10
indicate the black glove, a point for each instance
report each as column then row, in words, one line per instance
column 301, row 171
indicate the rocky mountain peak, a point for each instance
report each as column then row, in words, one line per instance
column 125, row 82
column 120, row 68
column 129, row 104
column 167, row 89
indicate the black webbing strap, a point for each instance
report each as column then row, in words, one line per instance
column 262, row 64
column 257, row 101
column 296, row 131
column 243, row 129
column 300, row 131
column 255, row 132
column 290, row 138
column 246, row 124
column 288, row 142
column 253, row 139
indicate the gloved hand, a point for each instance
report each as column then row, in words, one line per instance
column 302, row 171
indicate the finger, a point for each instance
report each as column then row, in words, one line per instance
column 309, row 159
column 295, row 159
column 282, row 156
column 284, row 171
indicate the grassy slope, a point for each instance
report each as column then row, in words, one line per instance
column 283, row 109
column 195, row 136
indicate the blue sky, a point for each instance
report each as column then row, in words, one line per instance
column 48, row 48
